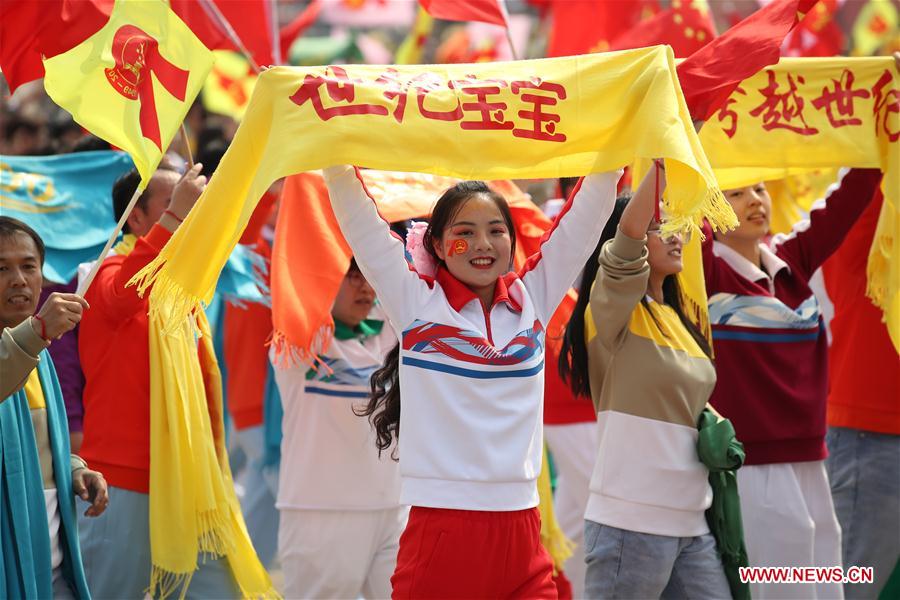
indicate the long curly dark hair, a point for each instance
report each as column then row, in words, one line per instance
column 383, row 408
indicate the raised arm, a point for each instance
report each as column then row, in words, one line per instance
column 109, row 292
column 119, row 301
column 622, row 279
column 813, row 240
column 378, row 251
column 621, row 283
column 550, row 272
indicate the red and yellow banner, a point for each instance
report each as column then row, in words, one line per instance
column 525, row 119
column 229, row 86
column 820, row 113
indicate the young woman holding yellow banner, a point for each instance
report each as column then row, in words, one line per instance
column 772, row 362
column 647, row 366
column 470, row 370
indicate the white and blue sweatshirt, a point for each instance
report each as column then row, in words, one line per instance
column 471, row 380
column 328, row 456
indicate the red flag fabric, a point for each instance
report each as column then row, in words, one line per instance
column 30, row 30
column 710, row 75
column 486, row 11
column 817, row 34
column 248, row 18
column 687, row 26
column 301, row 23
column 583, row 26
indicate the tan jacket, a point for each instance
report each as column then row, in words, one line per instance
column 19, row 349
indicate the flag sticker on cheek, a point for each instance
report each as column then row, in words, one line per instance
column 459, row 247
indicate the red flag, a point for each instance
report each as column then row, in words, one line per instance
column 710, row 75
column 817, row 34
column 486, row 11
column 301, row 23
column 248, row 18
column 687, row 26
column 582, row 26
column 30, row 30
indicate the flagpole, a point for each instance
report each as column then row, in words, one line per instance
column 213, row 10
column 512, row 47
column 274, row 31
column 509, row 40
column 86, row 283
column 187, row 146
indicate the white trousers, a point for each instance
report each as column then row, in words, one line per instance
column 789, row 521
column 339, row 553
column 574, row 450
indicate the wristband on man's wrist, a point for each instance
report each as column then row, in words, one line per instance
column 173, row 215
column 43, row 332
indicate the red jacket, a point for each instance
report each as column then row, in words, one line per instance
column 561, row 406
column 247, row 330
column 115, row 356
column 864, row 369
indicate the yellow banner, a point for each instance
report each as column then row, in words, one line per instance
column 820, row 113
column 527, row 119
column 132, row 82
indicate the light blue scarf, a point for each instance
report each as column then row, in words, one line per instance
column 25, row 570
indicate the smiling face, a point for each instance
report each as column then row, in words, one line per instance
column 20, row 278
column 753, row 208
column 664, row 253
column 354, row 300
column 476, row 244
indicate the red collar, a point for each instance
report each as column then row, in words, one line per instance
column 459, row 294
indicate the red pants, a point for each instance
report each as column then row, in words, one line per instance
column 473, row 554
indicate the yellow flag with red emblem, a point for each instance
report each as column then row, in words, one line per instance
column 132, row 82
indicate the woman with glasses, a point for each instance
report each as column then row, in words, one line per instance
column 339, row 500
column 648, row 369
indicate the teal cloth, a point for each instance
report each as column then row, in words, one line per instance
column 67, row 199
column 273, row 413
column 25, row 570
column 723, row 454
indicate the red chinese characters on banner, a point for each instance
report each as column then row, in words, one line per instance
column 887, row 102
column 340, row 88
column 425, row 84
column 783, row 110
column 395, row 89
column 727, row 113
column 490, row 114
column 543, row 123
column 841, row 100
column 480, row 104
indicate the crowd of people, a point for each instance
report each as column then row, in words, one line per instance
column 439, row 499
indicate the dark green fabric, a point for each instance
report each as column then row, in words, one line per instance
column 891, row 589
column 723, row 455
column 365, row 329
